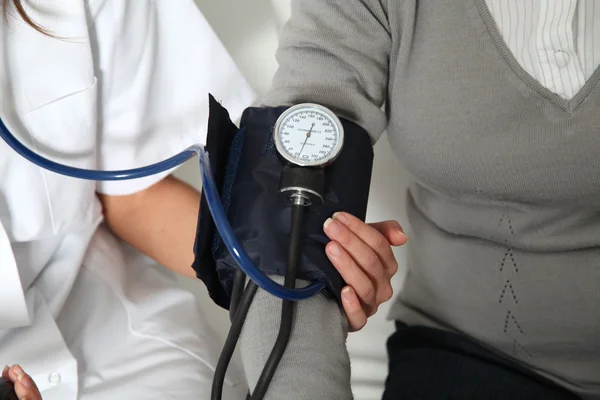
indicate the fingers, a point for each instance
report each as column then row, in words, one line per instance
column 371, row 252
column 394, row 236
column 392, row 231
column 5, row 373
column 353, row 275
column 357, row 318
column 379, row 237
column 25, row 387
column 363, row 256
column 361, row 251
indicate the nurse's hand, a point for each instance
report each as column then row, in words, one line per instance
column 362, row 253
column 25, row 387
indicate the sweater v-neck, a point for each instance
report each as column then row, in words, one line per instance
column 567, row 105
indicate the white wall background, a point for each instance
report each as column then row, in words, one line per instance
column 250, row 34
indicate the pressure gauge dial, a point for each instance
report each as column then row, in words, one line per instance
column 309, row 135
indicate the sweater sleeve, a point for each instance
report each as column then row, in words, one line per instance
column 335, row 53
column 316, row 363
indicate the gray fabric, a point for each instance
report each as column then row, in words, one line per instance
column 335, row 53
column 505, row 195
column 315, row 365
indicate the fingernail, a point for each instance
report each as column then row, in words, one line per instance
column 22, row 377
column 18, row 370
column 341, row 217
column 334, row 249
column 347, row 294
column 26, row 381
column 5, row 370
column 331, row 226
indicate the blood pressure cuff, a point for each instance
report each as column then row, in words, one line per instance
column 247, row 170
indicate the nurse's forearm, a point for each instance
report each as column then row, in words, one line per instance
column 159, row 221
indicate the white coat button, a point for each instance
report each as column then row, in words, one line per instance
column 54, row 378
column 561, row 58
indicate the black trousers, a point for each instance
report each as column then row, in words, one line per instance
column 430, row 364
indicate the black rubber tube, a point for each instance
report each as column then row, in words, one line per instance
column 287, row 310
column 232, row 339
column 236, row 294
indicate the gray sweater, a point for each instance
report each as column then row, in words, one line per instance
column 504, row 203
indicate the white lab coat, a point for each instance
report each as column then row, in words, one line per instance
column 126, row 84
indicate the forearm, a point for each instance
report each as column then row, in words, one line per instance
column 159, row 221
column 315, row 365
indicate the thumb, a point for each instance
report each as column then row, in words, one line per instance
column 392, row 231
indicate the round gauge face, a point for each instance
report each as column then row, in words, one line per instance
column 309, row 135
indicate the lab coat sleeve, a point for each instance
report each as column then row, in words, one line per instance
column 336, row 53
column 156, row 61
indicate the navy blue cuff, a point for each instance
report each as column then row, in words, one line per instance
column 248, row 179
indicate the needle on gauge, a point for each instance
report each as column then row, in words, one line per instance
column 302, row 122
column 306, row 140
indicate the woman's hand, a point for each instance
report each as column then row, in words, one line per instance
column 25, row 387
column 362, row 254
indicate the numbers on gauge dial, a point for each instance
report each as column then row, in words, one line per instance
column 309, row 136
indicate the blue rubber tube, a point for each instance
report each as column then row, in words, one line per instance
column 210, row 191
